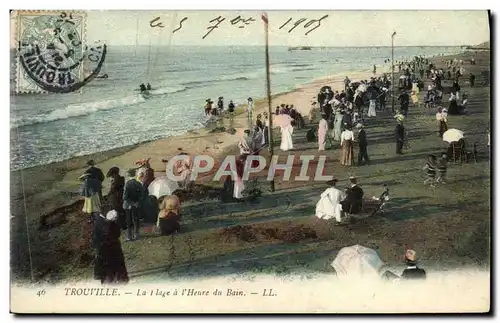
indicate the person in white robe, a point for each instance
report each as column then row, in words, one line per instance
column 286, row 138
column 329, row 207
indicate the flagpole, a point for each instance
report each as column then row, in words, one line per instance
column 268, row 81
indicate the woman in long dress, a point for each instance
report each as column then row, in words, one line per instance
column 239, row 185
column 286, row 138
column 373, row 105
column 90, row 191
column 114, row 269
column 346, row 147
column 322, row 132
column 329, row 206
column 337, row 126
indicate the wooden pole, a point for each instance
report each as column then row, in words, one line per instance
column 269, row 101
column 392, row 60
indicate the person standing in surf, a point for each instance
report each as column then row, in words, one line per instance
column 208, row 107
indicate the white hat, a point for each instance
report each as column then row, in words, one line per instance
column 112, row 215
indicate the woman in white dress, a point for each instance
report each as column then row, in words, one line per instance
column 329, row 206
column 286, row 138
column 322, row 132
column 373, row 105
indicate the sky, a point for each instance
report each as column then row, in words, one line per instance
column 339, row 28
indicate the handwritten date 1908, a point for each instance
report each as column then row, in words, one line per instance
column 307, row 25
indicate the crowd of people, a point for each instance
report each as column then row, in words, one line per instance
column 345, row 114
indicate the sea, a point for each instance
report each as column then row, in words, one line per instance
column 110, row 113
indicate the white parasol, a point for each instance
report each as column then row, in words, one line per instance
column 162, row 186
column 453, row 135
column 282, row 120
column 357, row 260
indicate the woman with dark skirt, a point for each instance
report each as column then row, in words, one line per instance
column 115, row 194
column 115, row 271
column 169, row 217
column 109, row 262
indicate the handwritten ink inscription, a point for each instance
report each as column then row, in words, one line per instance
column 309, row 25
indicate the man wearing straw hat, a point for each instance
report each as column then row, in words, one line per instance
column 412, row 271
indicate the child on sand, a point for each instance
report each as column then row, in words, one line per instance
column 430, row 170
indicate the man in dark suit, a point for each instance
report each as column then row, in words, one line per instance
column 404, row 100
column 363, row 144
column 400, row 137
column 354, row 198
column 412, row 271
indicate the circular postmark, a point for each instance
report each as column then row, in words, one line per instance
column 53, row 55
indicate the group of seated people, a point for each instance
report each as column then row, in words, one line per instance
column 336, row 203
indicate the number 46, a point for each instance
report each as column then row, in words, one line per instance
column 40, row 293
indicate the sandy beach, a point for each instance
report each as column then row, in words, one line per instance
column 233, row 238
column 49, row 187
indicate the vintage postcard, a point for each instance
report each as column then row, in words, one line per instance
column 250, row 161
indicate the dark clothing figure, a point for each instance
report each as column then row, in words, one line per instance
column 109, row 262
column 220, row 106
column 443, row 127
column 455, row 86
column 382, row 100
column 400, row 137
column 148, row 177
column 142, row 87
column 453, row 108
column 413, row 272
column 328, row 110
column 148, row 87
column 96, row 173
column 114, row 269
column 98, row 237
column 133, row 195
column 363, row 144
column 169, row 224
column 115, row 198
column 358, row 102
column 349, row 95
column 132, row 218
column 354, row 200
column 230, row 107
column 472, row 79
column 347, row 120
column 404, row 100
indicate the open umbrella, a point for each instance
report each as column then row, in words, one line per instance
column 162, row 186
column 357, row 260
column 323, row 89
column 282, row 120
column 453, row 135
